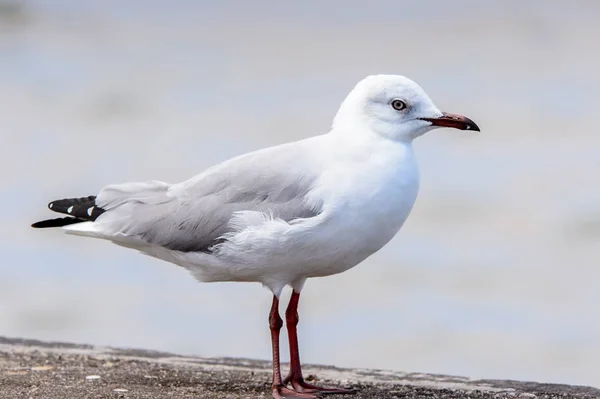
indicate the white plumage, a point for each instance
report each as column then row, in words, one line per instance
column 354, row 188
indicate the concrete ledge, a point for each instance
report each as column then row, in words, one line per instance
column 35, row 369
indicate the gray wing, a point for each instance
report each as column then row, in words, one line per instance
column 193, row 215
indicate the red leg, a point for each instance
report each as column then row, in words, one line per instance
column 295, row 375
column 279, row 389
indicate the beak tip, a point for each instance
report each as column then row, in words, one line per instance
column 472, row 126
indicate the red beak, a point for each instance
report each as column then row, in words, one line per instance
column 454, row 121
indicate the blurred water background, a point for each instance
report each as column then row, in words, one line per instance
column 496, row 273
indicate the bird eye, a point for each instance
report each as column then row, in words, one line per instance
column 398, row 105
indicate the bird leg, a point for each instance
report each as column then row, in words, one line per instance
column 280, row 391
column 295, row 375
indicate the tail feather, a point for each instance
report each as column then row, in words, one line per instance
column 59, row 222
column 82, row 209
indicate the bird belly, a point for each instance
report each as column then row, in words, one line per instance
column 361, row 233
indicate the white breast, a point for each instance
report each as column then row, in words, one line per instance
column 367, row 201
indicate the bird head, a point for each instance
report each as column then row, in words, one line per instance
column 395, row 107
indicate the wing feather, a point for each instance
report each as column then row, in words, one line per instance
column 196, row 214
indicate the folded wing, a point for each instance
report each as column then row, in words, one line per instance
column 196, row 214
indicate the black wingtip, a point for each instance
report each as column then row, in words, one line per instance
column 81, row 208
column 59, row 222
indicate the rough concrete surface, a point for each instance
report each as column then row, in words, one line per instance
column 35, row 369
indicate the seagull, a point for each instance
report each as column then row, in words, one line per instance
column 280, row 215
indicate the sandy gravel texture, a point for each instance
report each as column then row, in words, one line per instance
column 35, row 369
